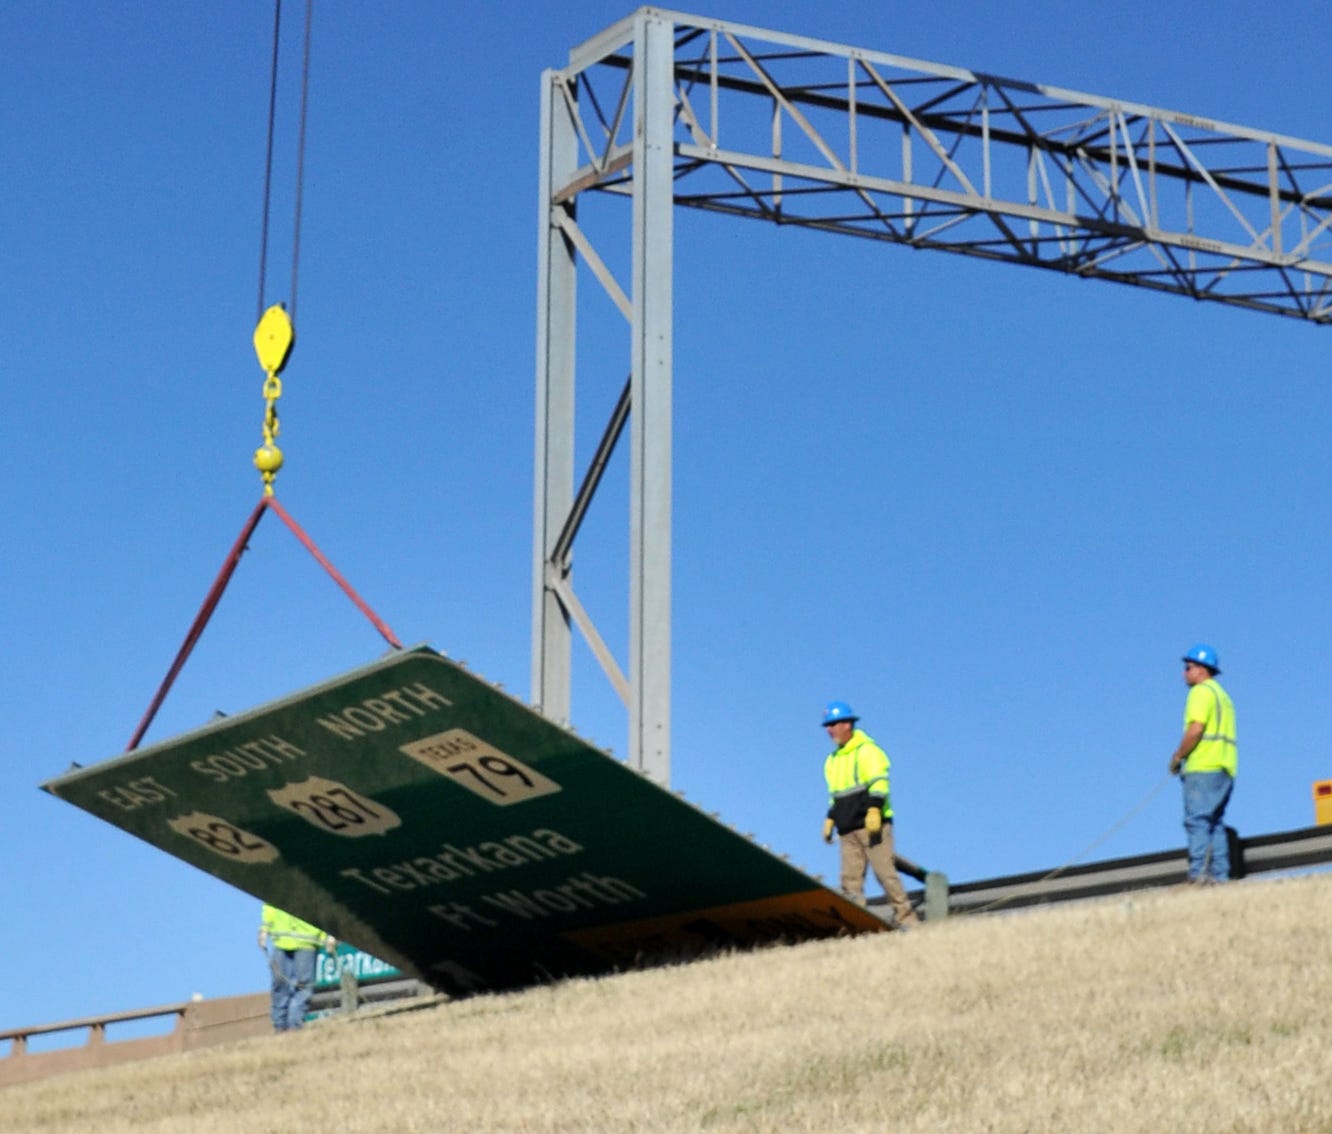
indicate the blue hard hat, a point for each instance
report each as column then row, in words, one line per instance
column 838, row 711
column 1204, row 654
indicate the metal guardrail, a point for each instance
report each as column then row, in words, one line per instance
column 1289, row 850
column 353, row 995
column 1262, row 854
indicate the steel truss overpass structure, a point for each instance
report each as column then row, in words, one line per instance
column 668, row 109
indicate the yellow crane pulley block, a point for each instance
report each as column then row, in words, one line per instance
column 273, row 339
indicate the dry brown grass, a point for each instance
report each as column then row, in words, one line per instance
column 1181, row 1011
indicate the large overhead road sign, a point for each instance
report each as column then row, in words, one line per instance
column 433, row 821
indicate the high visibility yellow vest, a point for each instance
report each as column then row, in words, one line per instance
column 855, row 773
column 288, row 932
column 1210, row 706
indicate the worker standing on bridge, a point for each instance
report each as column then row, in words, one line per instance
column 292, row 946
column 860, row 811
column 1207, row 758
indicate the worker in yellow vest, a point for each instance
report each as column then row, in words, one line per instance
column 860, row 811
column 292, row 946
column 1206, row 760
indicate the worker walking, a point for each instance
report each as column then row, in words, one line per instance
column 292, row 946
column 1207, row 758
column 860, row 811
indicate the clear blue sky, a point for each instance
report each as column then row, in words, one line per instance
column 988, row 506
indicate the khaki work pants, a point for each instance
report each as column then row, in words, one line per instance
column 857, row 854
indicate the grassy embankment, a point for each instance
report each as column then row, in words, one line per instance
column 1184, row 1011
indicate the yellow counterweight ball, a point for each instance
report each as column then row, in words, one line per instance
column 268, row 458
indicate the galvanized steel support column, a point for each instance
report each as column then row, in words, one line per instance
column 650, row 381
column 556, row 276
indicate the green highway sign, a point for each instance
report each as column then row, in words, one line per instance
column 329, row 970
column 426, row 817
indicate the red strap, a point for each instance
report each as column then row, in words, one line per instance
column 220, row 584
column 336, row 576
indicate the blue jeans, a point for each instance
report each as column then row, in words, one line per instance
column 293, row 982
column 1205, row 797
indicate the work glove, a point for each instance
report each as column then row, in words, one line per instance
column 827, row 830
column 873, row 821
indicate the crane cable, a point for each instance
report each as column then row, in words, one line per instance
column 300, row 156
column 274, row 336
column 274, row 333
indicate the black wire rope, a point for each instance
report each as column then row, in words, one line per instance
column 268, row 160
column 300, row 157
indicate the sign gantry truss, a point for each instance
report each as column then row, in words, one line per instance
column 670, row 109
column 796, row 131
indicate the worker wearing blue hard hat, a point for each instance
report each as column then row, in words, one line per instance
column 860, row 811
column 1206, row 760
column 837, row 711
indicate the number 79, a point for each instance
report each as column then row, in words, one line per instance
column 479, row 767
column 498, row 768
